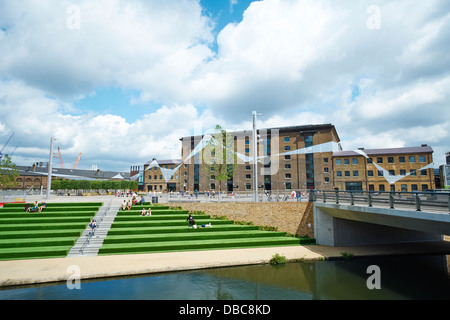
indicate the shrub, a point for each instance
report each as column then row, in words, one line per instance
column 278, row 259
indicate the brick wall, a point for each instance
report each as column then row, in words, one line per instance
column 291, row 217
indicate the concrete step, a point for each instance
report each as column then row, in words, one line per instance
column 89, row 243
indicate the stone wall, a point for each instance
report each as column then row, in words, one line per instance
column 291, row 217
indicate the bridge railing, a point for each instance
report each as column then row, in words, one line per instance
column 419, row 200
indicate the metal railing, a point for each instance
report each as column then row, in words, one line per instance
column 273, row 196
column 423, row 200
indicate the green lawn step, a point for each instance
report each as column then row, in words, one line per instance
column 44, row 220
column 150, row 223
column 27, row 234
column 154, row 212
column 47, row 214
column 37, row 242
column 50, row 209
column 159, row 217
column 34, row 253
column 42, row 226
column 190, row 235
column 178, row 229
column 196, row 245
column 57, row 204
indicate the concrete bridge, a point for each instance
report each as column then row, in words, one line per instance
column 364, row 218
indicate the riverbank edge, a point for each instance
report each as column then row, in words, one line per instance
column 16, row 273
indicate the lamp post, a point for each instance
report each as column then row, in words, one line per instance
column 49, row 176
column 255, row 158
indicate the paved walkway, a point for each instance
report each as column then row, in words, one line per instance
column 24, row 272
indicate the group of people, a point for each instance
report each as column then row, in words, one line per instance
column 36, row 207
column 146, row 212
column 127, row 205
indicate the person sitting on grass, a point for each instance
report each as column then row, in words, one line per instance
column 129, row 205
column 36, row 207
column 149, row 212
column 142, row 200
column 134, row 200
column 44, row 205
column 124, row 205
column 27, row 207
column 143, row 212
column 191, row 221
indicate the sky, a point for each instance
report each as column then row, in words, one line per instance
column 121, row 81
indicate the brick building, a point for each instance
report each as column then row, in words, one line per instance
column 287, row 164
column 402, row 169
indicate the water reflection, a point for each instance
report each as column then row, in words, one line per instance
column 402, row 277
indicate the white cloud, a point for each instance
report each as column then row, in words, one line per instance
column 297, row 62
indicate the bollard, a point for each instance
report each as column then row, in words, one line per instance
column 391, row 201
column 337, row 197
column 370, row 200
column 325, row 198
column 417, row 203
column 352, row 200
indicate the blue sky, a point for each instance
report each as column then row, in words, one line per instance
column 121, row 81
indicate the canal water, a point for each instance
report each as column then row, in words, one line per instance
column 387, row 278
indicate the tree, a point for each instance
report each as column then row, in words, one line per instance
column 8, row 172
column 219, row 158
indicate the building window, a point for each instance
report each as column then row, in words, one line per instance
column 401, row 159
column 370, row 173
column 288, row 176
column 287, row 166
column 379, row 160
column 412, row 172
column 247, row 150
column 149, row 177
column 412, row 159
column 381, row 187
column 424, row 187
column 287, row 148
column 346, row 161
column 248, row 176
column 213, row 177
column 404, row 188
column 213, row 186
column 347, row 173
column 424, row 172
column 403, row 172
column 390, row 159
column 338, row 162
column 414, row 187
column 287, row 157
column 248, row 186
column 422, row 159
column 338, row 173
column 327, row 179
column 369, row 160
column 371, row 187
column 326, row 170
column 287, row 139
column 380, row 173
column 155, row 177
column 392, row 172
column 288, row 186
column 354, row 161
column 355, row 173
column 325, row 160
